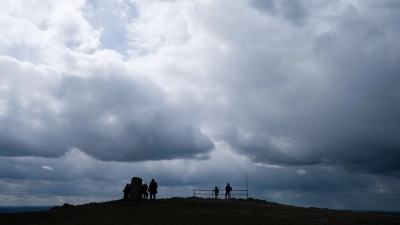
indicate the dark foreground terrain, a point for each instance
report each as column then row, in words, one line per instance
column 194, row 211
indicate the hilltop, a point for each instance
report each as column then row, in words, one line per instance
column 194, row 211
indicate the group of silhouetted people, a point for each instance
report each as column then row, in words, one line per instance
column 152, row 189
column 228, row 190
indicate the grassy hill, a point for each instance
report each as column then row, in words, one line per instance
column 194, row 211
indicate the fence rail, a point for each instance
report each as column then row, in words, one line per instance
column 211, row 192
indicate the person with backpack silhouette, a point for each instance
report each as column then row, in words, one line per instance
column 228, row 190
column 126, row 191
column 153, row 189
column 216, row 191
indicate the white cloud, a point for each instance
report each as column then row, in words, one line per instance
column 382, row 191
column 301, row 172
column 47, row 168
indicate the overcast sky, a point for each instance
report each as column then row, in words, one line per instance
column 303, row 97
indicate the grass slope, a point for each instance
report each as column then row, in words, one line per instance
column 194, row 211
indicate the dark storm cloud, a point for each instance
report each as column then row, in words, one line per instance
column 363, row 123
column 109, row 117
column 346, row 114
column 147, row 130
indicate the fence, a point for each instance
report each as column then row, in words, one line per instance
column 211, row 192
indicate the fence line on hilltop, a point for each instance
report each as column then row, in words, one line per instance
column 212, row 192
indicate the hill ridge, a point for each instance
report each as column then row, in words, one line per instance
column 194, row 210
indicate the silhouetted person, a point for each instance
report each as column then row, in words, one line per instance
column 126, row 191
column 216, row 191
column 153, row 189
column 228, row 190
column 145, row 194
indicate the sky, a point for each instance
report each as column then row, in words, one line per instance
column 301, row 98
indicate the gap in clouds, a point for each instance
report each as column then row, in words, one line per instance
column 112, row 19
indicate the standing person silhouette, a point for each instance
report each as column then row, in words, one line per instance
column 228, row 190
column 145, row 194
column 216, row 191
column 153, row 189
column 126, row 192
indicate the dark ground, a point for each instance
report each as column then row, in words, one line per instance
column 194, row 211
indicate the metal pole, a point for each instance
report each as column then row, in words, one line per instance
column 247, row 186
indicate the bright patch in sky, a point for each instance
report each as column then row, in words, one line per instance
column 47, row 168
column 301, row 172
